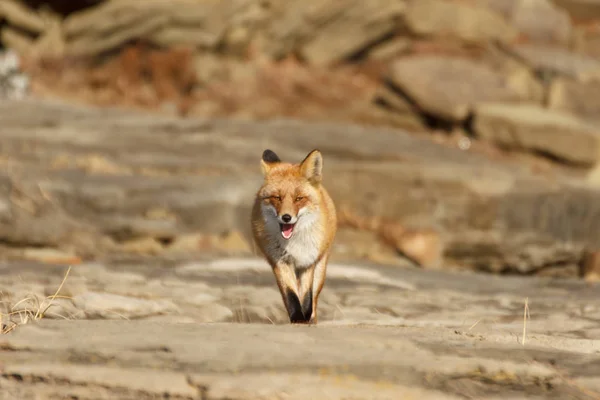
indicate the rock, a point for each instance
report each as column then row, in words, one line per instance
column 540, row 21
column 16, row 40
column 51, row 42
column 448, row 88
column 422, row 246
column 111, row 306
column 593, row 177
column 393, row 100
column 582, row 99
column 580, row 10
column 548, row 61
column 466, row 21
column 327, row 32
column 450, row 324
column 200, row 299
column 14, row 84
column 363, row 244
column 214, row 313
column 234, row 242
column 346, row 29
column 147, row 381
column 146, row 245
column 467, row 195
column 238, row 361
column 51, row 256
column 231, row 242
column 530, row 127
column 390, row 49
column 590, row 266
column 61, row 309
column 189, row 243
column 123, row 228
column 20, row 16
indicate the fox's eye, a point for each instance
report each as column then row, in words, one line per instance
column 299, row 198
column 278, row 198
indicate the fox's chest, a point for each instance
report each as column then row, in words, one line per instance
column 302, row 249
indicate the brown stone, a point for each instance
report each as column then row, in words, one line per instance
column 51, row 256
column 466, row 21
column 590, row 266
column 447, row 87
column 540, row 21
column 533, row 128
column 580, row 10
column 325, row 32
column 422, row 246
column 144, row 245
column 552, row 60
column 582, row 99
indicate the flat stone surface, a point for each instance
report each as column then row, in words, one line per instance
column 384, row 332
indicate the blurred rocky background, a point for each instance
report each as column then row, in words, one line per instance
column 460, row 140
column 456, row 133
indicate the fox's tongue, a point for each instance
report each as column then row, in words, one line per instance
column 286, row 230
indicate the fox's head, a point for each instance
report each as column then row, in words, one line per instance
column 290, row 194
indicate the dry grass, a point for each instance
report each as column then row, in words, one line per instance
column 526, row 316
column 30, row 309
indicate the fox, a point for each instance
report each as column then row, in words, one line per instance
column 294, row 223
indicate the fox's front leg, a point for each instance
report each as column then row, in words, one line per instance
column 287, row 282
column 305, row 291
column 320, row 270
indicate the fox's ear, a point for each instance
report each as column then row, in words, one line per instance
column 268, row 161
column 312, row 166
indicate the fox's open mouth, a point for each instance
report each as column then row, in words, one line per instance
column 286, row 230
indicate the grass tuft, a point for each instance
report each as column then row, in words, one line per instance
column 33, row 309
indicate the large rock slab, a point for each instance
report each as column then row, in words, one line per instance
column 533, row 128
column 551, row 60
column 101, row 181
column 539, row 21
column 447, row 87
column 466, row 21
column 383, row 332
column 581, row 10
column 582, row 99
column 324, row 32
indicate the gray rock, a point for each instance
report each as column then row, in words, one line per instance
column 541, row 21
column 581, row 10
column 112, row 306
column 14, row 84
column 582, row 99
column 533, row 128
column 332, row 31
column 214, row 313
column 209, row 173
column 551, row 60
column 447, row 87
column 467, row 22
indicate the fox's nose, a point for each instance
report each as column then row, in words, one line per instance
column 286, row 218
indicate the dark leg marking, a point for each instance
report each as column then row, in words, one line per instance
column 295, row 309
column 307, row 305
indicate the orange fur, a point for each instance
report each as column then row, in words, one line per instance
column 295, row 191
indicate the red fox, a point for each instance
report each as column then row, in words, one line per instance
column 294, row 224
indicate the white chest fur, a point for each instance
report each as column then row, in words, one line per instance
column 304, row 245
